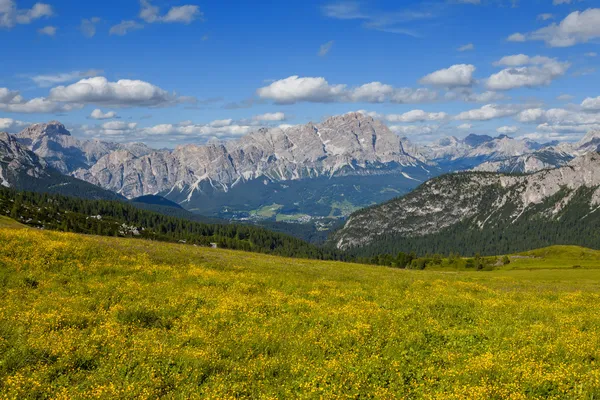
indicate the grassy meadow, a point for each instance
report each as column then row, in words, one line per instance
column 107, row 318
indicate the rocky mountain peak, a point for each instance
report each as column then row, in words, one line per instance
column 474, row 140
column 38, row 131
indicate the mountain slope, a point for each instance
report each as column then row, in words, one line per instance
column 23, row 170
column 465, row 210
column 263, row 164
column 54, row 143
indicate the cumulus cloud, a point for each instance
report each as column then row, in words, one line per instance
column 488, row 112
column 37, row 105
column 591, row 104
column 455, row 76
column 526, row 71
column 577, row 27
column 183, row 14
column 464, row 127
column 7, row 95
column 55, row 79
column 559, row 120
column 48, row 31
column 123, row 93
column 317, row 90
column 507, row 129
column 88, row 26
column 269, row 117
column 10, row 125
column 296, row 89
column 545, row 16
column 98, row 114
column 417, row 116
column 325, row 48
column 10, row 15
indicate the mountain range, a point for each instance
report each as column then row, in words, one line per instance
column 313, row 172
column 484, row 212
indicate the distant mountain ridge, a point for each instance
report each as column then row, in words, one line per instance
column 324, row 170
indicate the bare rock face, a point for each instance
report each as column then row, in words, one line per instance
column 343, row 145
column 15, row 161
column 54, row 143
column 528, row 163
column 482, row 198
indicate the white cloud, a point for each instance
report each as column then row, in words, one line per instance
column 413, row 96
column 591, row 54
column 10, row 15
column 325, row 48
column 577, row 27
column 51, row 80
column 530, row 115
column 317, row 90
column 295, row 89
column 220, row 123
column 467, row 47
column 545, row 17
column 507, row 129
column 88, row 26
column 7, row 96
column 546, row 127
column 11, row 125
column 464, row 127
column 526, row 71
column 415, row 130
column 374, row 92
column 48, row 31
column 125, row 27
column 119, row 125
column 467, row 95
column 183, row 14
column 488, row 112
column 416, row 116
column 455, row 76
column 123, row 93
column 560, row 120
column 516, row 37
column 37, row 105
column 558, row 2
column 276, row 116
column 98, row 114
column 591, row 104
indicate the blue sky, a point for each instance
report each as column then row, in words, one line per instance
column 169, row 72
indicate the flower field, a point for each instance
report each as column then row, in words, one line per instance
column 107, row 318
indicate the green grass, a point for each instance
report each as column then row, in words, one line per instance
column 99, row 317
column 556, row 257
column 268, row 211
column 6, row 222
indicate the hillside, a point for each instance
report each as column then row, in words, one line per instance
column 24, row 170
column 86, row 316
column 116, row 218
column 484, row 213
